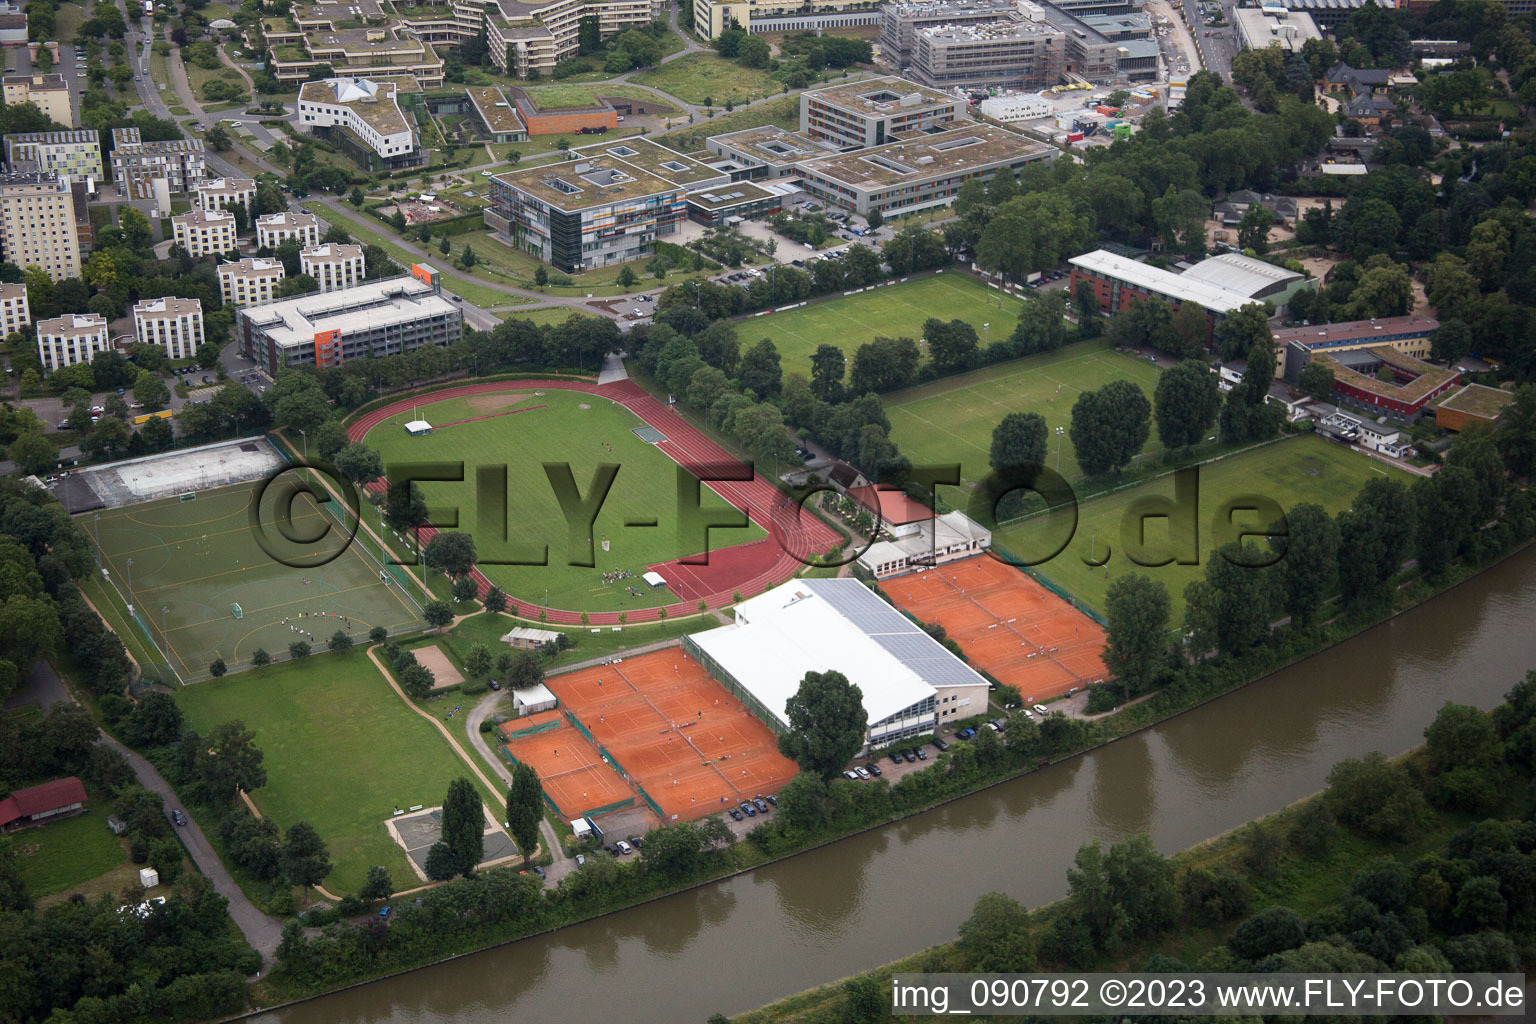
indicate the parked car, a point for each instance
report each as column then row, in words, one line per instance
column 384, row 912
column 861, row 772
column 773, row 801
column 178, row 817
column 624, row 847
column 851, row 775
column 1028, row 713
column 760, row 804
column 612, row 850
column 122, row 391
column 581, row 859
column 747, row 809
column 922, row 755
column 1042, row 709
column 873, row 769
column 495, row 685
column 896, row 757
column 735, row 814
column 966, row 733
column 940, row 743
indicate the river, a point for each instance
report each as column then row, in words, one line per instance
column 749, row 940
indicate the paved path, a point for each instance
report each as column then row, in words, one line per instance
column 561, row 865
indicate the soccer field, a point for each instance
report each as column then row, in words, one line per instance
column 894, row 311
column 185, row 565
column 523, row 430
column 952, row 420
column 1289, row 472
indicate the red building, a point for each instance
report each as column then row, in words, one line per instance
column 37, row 805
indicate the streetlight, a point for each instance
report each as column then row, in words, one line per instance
column 696, row 286
column 986, row 336
column 96, row 532
column 306, row 444
column 130, row 577
column 163, row 610
column 1060, row 432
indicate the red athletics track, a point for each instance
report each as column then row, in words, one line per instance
column 788, row 530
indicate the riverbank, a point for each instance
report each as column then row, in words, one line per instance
column 1407, row 598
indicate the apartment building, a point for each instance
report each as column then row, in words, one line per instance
column 334, row 266
column 218, row 193
column 205, row 234
column 15, row 313
column 38, row 223
column 873, row 111
column 276, row 228
column 70, row 339
column 365, row 116
column 74, row 155
column 393, row 52
column 250, row 281
column 710, row 17
column 49, row 93
column 173, row 325
column 136, row 163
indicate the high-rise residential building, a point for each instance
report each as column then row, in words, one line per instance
column 250, row 281
column 136, row 163
column 217, row 193
column 76, row 155
column 70, row 339
column 276, row 228
column 204, row 234
column 334, row 266
column 15, row 313
column 175, row 326
column 38, row 224
column 49, row 93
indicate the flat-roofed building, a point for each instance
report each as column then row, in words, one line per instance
column 136, row 163
column 204, row 234
column 366, row 115
column 276, row 228
column 73, row 155
column 1222, row 288
column 175, row 326
column 710, row 17
column 250, row 281
column 769, row 151
column 926, row 171
column 873, row 111
column 1474, row 403
column 498, row 114
column 377, row 318
column 392, row 52
column 15, row 312
column 1408, row 334
column 70, row 339
column 219, row 193
column 721, row 204
column 1273, row 25
column 1027, row 53
column 1252, row 277
column 1410, row 388
column 49, row 93
column 333, row 265
column 39, row 223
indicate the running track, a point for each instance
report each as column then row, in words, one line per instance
column 788, row 530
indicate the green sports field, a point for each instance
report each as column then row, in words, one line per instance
column 342, row 751
column 186, row 564
column 1295, row 470
column 555, row 426
column 952, row 420
column 895, row 311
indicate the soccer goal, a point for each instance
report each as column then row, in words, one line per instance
column 189, row 496
column 236, row 610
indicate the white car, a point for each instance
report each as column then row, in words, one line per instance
column 1027, row 713
column 624, row 847
column 1042, row 710
column 851, row 776
column 861, row 772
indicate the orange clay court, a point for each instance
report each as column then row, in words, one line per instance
column 573, row 774
column 1006, row 623
column 682, row 736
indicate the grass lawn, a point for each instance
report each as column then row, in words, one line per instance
column 56, row 858
column 590, row 641
column 1298, row 469
column 342, row 752
column 570, row 94
column 894, row 311
column 160, row 71
column 784, row 112
column 563, row 432
column 502, row 262
column 543, row 315
column 67, row 19
column 199, row 77
column 952, row 419
column 705, row 79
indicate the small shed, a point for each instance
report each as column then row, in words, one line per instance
column 581, row 827
column 654, row 580
column 149, row 877
column 526, row 638
column 533, row 699
column 416, row 428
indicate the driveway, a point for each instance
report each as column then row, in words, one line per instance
column 561, row 865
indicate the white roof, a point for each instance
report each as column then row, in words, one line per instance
column 1180, row 287
column 535, row 694
column 832, row 625
column 371, row 305
column 542, row 636
column 1345, row 169
column 580, row 826
column 950, row 529
column 1240, row 273
column 416, row 425
column 655, row 579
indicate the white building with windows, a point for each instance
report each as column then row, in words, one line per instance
column 276, row 228
column 910, row 682
column 366, row 109
column 15, row 313
column 38, row 223
column 173, row 325
column 204, row 234
column 70, row 339
column 333, row 265
column 251, row 281
column 217, row 193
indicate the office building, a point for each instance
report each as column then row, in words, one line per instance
column 1383, row 382
column 74, row 155
column 1407, row 334
column 49, row 93
column 394, row 52
column 250, row 281
column 136, row 163
column 70, row 339
column 378, row 318
column 710, row 17
column 365, row 118
column 204, row 234
column 15, row 312
column 870, row 112
column 334, row 266
column 1272, row 24
column 498, row 113
column 38, row 224
column 1018, row 54
column 175, row 326
column 276, row 228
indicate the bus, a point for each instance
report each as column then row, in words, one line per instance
column 163, row 414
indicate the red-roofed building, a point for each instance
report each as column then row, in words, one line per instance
column 896, row 510
column 37, row 805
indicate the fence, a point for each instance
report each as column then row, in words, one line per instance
column 1029, row 571
column 749, row 700
column 154, row 664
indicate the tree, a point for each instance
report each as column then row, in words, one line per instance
column 299, row 649
column 478, row 661
column 1376, row 797
column 1109, row 426
column 952, row 346
column 451, row 552
column 525, row 808
column 33, row 452
column 464, row 824
column 1316, row 380
column 260, row 657
column 1229, row 610
column 1090, row 319
column 1309, row 570
column 760, row 370
column 1517, row 433
column 996, row 937
column 1137, row 609
column 1445, row 507
column 218, row 138
column 495, row 600
column 863, row 1003
column 1384, row 289
column 405, row 508
column 227, row 761
column 438, row 614
column 875, row 218
column 218, row 668
column 441, row 863
column 359, row 463
column 151, row 392
column 527, row 669
column 1373, row 538
column 379, row 886
column 828, row 364
column 626, row 277
column 1018, row 451
column 339, row 641
column 304, row 858
column 156, row 720
column 1187, row 400
column 1253, row 229
column 827, row 723
column 1041, row 326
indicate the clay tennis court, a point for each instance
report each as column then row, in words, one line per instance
column 574, row 775
column 1007, row 624
column 682, row 736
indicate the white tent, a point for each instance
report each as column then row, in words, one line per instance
column 655, row 579
column 418, row 427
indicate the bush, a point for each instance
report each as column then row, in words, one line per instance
column 470, row 687
column 487, row 725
